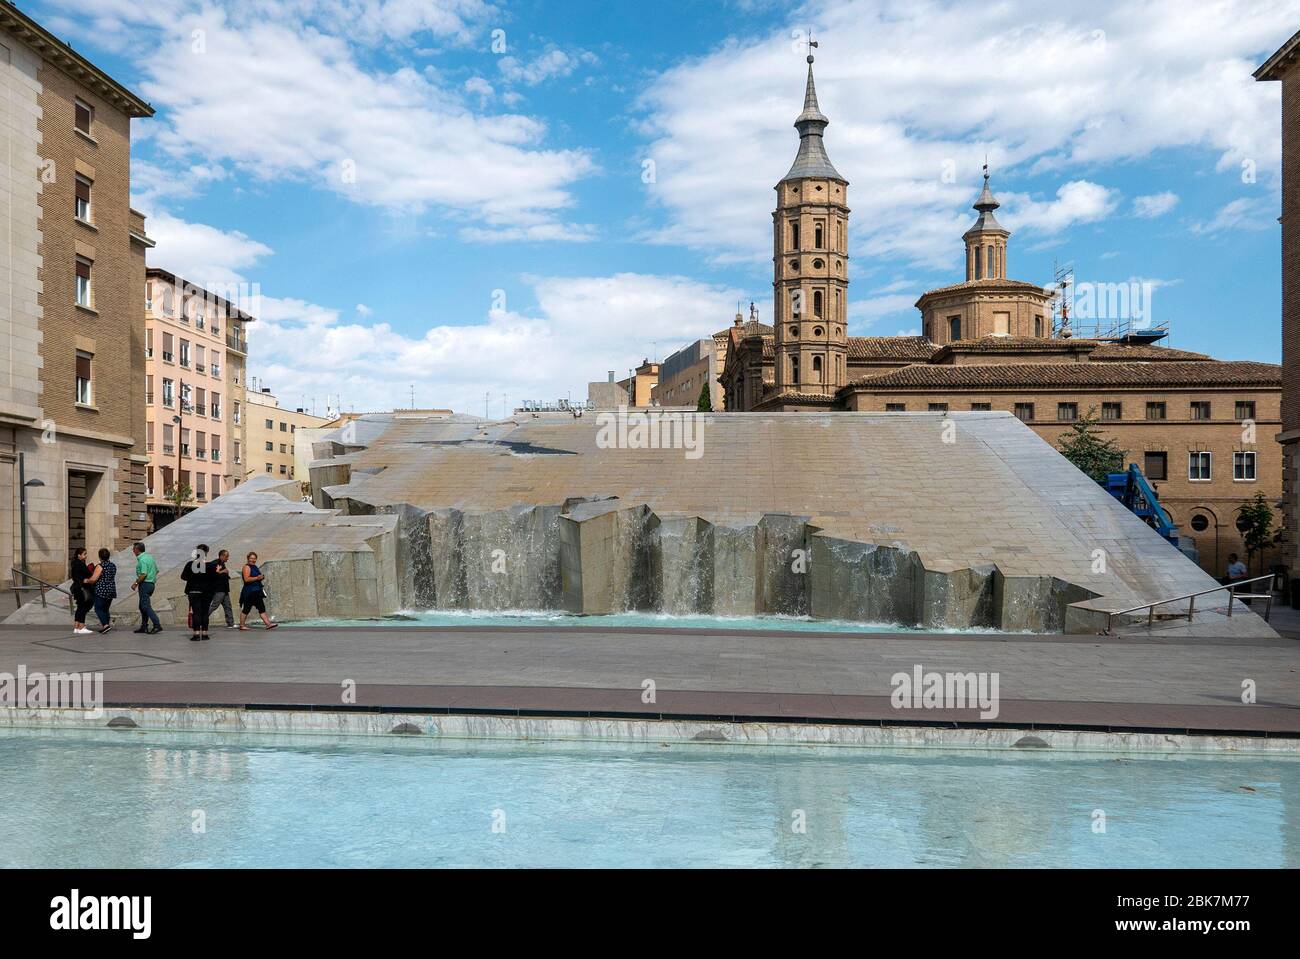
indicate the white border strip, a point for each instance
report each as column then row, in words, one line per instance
column 644, row 731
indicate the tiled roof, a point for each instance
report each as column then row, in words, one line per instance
column 752, row 328
column 770, row 396
column 1067, row 375
column 1014, row 344
column 915, row 348
column 991, row 284
column 1130, row 352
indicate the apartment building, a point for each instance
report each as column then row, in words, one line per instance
column 195, row 386
column 272, row 435
column 72, row 421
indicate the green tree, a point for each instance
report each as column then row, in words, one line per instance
column 705, row 404
column 178, row 494
column 1090, row 450
column 1256, row 527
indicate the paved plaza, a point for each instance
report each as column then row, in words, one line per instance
column 1051, row 681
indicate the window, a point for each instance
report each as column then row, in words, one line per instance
column 1067, row 412
column 1200, row 522
column 216, row 481
column 1112, row 411
column 216, row 447
column 85, row 393
column 1038, row 326
column 1025, row 411
column 270, row 424
column 817, row 236
column 148, row 343
column 979, row 269
column 216, row 406
column 1198, row 466
column 270, row 447
column 84, row 116
column 938, row 407
column 270, row 468
column 284, row 427
column 168, row 355
column 954, row 328
column 1244, row 410
column 981, row 407
column 81, row 205
column 83, row 282
column 817, row 303
column 200, row 486
column 199, row 364
column 895, row 407
column 1201, row 410
column 148, row 388
column 817, row 377
column 169, row 396
column 236, row 451
column 185, row 353
column 284, row 470
column 284, row 448
column 1156, row 465
column 794, row 236
column 1155, row 411
column 1243, row 466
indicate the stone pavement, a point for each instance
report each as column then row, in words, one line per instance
column 1051, row 681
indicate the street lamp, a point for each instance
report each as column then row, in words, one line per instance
column 23, row 484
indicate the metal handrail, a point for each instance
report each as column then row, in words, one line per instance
column 1191, row 601
column 42, row 586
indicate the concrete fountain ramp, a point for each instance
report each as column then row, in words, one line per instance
column 843, row 515
column 317, row 563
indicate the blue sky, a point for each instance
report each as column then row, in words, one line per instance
column 509, row 199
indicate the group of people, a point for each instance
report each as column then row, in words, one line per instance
column 207, row 587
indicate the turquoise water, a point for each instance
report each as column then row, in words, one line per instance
column 622, row 621
column 106, row 798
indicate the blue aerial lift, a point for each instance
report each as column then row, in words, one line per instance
column 1132, row 489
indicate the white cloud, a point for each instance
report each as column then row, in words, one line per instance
column 1154, row 205
column 1246, row 213
column 916, row 88
column 581, row 327
column 268, row 96
column 863, row 313
column 199, row 253
column 1078, row 201
column 546, row 66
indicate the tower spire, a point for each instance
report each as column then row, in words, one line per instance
column 811, row 161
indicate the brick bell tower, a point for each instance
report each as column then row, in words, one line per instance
column 810, row 262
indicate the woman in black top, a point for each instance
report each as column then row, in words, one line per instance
column 199, row 576
column 82, row 595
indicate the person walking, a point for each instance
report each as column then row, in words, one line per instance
column 82, row 594
column 146, row 581
column 252, row 595
column 197, row 574
column 103, row 580
column 221, row 585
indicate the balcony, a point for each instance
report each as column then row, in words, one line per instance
column 169, row 357
column 169, row 403
column 237, row 343
column 148, row 397
column 148, row 447
column 216, row 412
column 169, row 450
column 216, row 456
column 201, row 409
column 200, row 454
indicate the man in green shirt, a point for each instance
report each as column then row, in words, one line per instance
column 146, row 579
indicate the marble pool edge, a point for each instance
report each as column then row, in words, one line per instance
column 576, row 729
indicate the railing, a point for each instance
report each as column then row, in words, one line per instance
column 1191, row 602
column 237, row 343
column 41, row 585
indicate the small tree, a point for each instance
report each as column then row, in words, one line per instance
column 178, row 494
column 1087, row 448
column 1256, row 525
column 705, row 404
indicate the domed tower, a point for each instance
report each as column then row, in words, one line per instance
column 986, row 241
column 810, row 262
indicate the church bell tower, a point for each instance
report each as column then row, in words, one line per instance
column 810, row 262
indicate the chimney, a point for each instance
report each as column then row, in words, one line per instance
column 611, row 376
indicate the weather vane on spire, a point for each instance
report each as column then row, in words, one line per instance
column 812, row 45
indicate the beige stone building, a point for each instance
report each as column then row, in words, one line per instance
column 1201, row 429
column 272, row 435
column 72, row 420
column 639, row 385
column 686, row 373
column 196, row 363
column 1284, row 67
